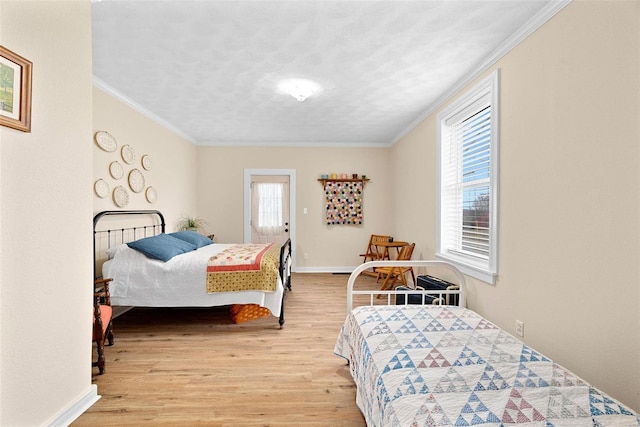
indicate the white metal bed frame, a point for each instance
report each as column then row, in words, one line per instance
column 414, row 263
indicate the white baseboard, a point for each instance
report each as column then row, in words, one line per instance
column 76, row 409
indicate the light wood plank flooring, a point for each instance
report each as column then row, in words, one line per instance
column 195, row 367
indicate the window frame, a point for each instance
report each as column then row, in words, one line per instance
column 464, row 107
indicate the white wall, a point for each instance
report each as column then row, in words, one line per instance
column 45, row 206
column 569, row 194
column 580, row 71
column 329, row 248
column 172, row 173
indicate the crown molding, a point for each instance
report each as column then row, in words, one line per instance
column 139, row 108
column 545, row 14
column 321, row 144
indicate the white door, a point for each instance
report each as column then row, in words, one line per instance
column 270, row 222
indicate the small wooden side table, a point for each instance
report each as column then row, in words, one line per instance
column 386, row 245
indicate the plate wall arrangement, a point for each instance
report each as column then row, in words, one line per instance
column 101, row 188
column 151, row 195
column 120, row 196
column 136, row 180
column 116, row 170
column 147, row 163
column 128, row 154
column 106, row 141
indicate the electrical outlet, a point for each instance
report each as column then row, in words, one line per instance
column 520, row 328
column 306, row 255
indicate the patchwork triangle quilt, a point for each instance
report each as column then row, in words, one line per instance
column 421, row 366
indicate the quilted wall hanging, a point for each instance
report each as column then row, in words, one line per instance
column 344, row 202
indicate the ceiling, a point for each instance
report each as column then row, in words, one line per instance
column 209, row 69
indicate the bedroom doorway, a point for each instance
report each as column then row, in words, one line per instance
column 269, row 205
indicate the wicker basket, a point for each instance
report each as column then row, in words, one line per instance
column 245, row 312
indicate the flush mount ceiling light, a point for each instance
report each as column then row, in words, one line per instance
column 300, row 89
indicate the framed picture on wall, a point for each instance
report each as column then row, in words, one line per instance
column 15, row 90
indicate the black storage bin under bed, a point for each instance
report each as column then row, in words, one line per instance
column 427, row 282
column 430, row 282
column 413, row 298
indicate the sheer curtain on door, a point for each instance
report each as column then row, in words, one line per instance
column 268, row 200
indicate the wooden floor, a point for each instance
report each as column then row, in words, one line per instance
column 195, row 367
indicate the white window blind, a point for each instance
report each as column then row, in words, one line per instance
column 467, row 152
column 467, row 184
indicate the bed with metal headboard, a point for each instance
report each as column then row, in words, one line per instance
column 426, row 363
column 153, row 268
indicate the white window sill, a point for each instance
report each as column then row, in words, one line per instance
column 469, row 269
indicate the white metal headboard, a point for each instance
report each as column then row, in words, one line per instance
column 415, row 263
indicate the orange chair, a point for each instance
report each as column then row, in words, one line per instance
column 391, row 275
column 102, row 316
column 373, row 253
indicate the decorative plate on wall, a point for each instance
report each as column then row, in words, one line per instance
column 128, row 155
column 136, row 180
column 151, row 194
column 116, row 170
column 106, row 141
column 120, row 196
column 101, row 188
column 146, row 162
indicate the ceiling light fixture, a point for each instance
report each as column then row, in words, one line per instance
column 300, row 89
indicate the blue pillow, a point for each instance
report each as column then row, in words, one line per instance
column 192, row 237
column 162, row 246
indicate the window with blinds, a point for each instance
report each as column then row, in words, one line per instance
column 467, row 158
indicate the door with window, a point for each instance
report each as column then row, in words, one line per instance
column 270, row 208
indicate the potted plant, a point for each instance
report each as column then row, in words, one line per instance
column 192, row 223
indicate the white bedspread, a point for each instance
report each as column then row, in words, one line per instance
column 179, row 282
